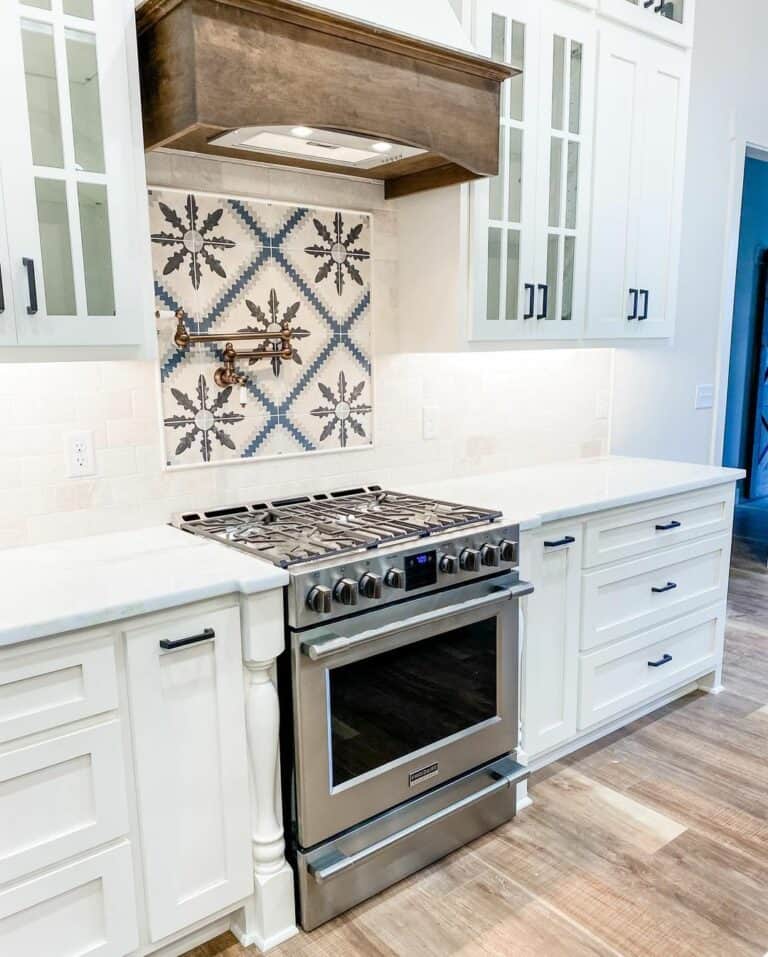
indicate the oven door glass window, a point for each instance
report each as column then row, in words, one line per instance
column 391, row 704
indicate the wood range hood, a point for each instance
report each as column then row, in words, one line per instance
column 213, row 69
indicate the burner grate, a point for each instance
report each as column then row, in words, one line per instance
column 306, row 529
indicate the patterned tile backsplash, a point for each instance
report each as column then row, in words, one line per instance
column 234, row 265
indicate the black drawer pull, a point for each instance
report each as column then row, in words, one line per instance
column 208, row 634
column 670, row 586
column 2, row 294
column 668, row 527
column 662, row 661
column 568, row 540
column 29, row 265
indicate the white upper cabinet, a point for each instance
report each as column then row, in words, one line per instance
column 530, row 223
column 671, row 20
column 73, row 233
column 639, row 163
column 7, row 325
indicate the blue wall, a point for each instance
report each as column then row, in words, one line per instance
column 753, row 239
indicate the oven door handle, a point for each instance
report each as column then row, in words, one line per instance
column 335, row 863
column 332, row 644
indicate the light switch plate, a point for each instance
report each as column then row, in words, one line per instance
column 705, row 396
column 603, row 404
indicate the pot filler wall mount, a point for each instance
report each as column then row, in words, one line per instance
column 399, row 685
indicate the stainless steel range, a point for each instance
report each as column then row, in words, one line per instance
column 399, row 686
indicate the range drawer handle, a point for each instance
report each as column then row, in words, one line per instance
column 670, row 586
column 207, row 634
column 568, row 540
column 668, row 527
column 665, row 660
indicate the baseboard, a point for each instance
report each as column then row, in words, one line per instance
column 254, row 940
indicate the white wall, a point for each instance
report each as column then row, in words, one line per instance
column 495, row 410
column 654, row 412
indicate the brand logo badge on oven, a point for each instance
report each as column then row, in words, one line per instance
column 423, row 774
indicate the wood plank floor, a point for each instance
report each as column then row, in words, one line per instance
column 651, row 843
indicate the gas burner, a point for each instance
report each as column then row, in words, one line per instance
column 306, row 529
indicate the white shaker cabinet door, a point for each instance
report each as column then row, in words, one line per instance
column 551, row 558
column 614, row 297
column 662, row 159
column 188, row 721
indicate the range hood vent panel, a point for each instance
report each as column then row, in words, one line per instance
column 225, row 77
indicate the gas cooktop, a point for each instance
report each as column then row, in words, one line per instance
column 292, row 531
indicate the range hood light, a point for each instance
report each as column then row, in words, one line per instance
column 330, row 147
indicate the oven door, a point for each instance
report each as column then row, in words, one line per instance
column 392, row 703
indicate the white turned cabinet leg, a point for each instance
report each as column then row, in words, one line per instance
column 521, row 755
column 269, row 917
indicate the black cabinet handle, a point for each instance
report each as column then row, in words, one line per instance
column 2, row 294
column 544, row 301
column 634, row 293
column 568, row 540
column 662, row 661
column 660, row 7
column 648, row 3
column 670, row 586
column 29, row 265
column 668, row 527
column 646, row 298
column 208, row 634
column 531, row 290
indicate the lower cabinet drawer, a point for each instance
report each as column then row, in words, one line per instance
column 628, row 674
column 86, row 908
column 627, row 598
column 59, row 798
column 47, row 684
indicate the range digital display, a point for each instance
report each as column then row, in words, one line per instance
column 420, row 570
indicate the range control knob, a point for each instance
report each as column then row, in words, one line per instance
column 319, row 599
column 470, row 560
column 346, row 591
column 395, row 578
column 370, row 585
column 449, row 564
column 490, row 555
column 508, row 550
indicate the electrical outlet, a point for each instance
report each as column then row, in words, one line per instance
column 430, row 422
column 603, row 404
column 80, row 454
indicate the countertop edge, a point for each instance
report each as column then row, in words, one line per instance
column 530, row 522
column 52, row 627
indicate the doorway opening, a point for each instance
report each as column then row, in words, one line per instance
column 746, row 422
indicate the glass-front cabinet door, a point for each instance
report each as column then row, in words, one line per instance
column 672, row 20
column 70, row 158
column 563, row 163
column 529, row 223
column 503, row 214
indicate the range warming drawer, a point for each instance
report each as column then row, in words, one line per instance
column 340, row 873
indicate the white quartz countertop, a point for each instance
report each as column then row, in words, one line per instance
column 545, row 493
column 64, row 586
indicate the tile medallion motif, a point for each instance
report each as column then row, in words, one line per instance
column 241, row 265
